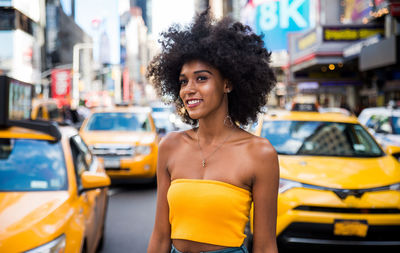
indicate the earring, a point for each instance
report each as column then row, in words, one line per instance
column 228, row 121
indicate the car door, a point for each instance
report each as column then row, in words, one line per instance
column 93, row 201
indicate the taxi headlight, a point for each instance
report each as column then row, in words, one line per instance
column 143, row 150
column 57, row 245
column 285, row 184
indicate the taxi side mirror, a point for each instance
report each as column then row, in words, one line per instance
column 394, row 151
column 93, row 180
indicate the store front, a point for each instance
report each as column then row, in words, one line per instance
column 318, row 56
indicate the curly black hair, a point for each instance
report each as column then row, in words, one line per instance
column 232, row 48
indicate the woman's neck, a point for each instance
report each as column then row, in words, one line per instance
column 213, row 130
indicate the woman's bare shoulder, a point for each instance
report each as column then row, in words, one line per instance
column 174, row 139
column 259, row 146
column 263, row 155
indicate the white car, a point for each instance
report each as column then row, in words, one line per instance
column 383, row 123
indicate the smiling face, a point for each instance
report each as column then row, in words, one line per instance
column 203, row 90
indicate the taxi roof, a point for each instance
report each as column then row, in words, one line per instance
column 24, row 133
column 27, row 133
column 309, row 116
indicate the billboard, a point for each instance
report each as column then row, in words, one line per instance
column 276, row 18
column 15, row 100
column 61, row 85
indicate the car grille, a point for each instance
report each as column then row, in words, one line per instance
column 324, row 232
column 348, row 210
column 111, row 150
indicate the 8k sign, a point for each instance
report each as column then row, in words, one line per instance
column 276, row 18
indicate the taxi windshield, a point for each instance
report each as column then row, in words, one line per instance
column 117, row 121
column 31, row 165
column 320, row 139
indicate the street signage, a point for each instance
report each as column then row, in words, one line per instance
column 15, row 100
column 276, row 18
column 350, row 33
column 61, row 85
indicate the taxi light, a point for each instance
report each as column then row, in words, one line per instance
column 57, row 245
column 285, row 185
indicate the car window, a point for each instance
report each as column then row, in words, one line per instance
column 396, row 124
column 31, row 165
column 83, row 152
column 320, row 139
column 81, row 156
column 116, row 121
column 379, row 123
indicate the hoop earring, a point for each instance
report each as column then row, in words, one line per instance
column 228, row 121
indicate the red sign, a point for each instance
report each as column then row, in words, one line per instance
column 61, row 85
column 395, row 9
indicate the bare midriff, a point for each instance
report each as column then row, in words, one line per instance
column 187, row 246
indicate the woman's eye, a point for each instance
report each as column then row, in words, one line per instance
column 202, row 78
column 182, row 82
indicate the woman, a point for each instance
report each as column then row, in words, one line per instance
column 219, row 76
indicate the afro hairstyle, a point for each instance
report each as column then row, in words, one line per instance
column 232, row 48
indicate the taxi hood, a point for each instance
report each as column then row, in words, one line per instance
column 340, row 172
column 120, row 137
column 37, row 216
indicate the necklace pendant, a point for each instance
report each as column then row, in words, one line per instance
column 204, row 163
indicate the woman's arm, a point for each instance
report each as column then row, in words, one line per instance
column 265, row 194
column 160, row 240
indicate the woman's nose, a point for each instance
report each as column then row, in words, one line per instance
column 190, row 87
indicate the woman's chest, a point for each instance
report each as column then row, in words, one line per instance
column 231, row 164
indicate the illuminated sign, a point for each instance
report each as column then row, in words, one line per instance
column 355, row 11
column 61, row 85
column 276, row 18
column 307, row 41
column 15, row 100
column 350, row 33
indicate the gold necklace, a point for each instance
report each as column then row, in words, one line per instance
column 204, row 162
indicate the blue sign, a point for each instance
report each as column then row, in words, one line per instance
column 276, row 18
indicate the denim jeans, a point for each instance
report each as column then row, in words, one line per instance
column 241, row 249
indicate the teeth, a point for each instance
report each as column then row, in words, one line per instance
column 190, row 102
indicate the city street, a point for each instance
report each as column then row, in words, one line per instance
column 271, row 117
column 130, row 218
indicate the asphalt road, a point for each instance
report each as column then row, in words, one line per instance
column 130, row 218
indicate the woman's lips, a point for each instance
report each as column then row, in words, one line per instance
column 193, row 102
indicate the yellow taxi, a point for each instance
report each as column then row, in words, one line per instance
column 126, row 138
column 46, row 109
column 53, row 191
column 53, row 195
column 337, row 187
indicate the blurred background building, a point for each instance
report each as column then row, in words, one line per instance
column 321, row 48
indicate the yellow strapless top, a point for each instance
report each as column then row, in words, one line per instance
column 208, row 211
